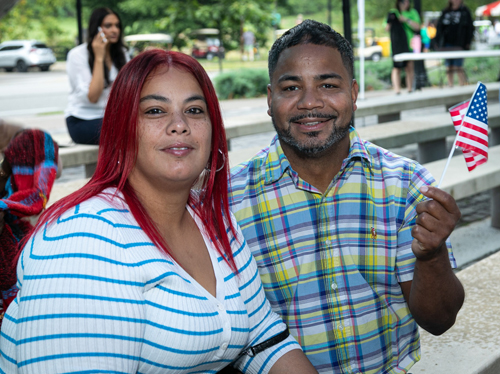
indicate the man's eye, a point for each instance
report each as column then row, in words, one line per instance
column 155, row 111
column 328, row 85
column 291, row 88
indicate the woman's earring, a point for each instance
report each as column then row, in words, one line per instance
column 207, row 168
column 223, row 161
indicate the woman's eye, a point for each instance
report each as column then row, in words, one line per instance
column 195, row 111
column 154, row 111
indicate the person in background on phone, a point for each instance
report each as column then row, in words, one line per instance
column 455, row 30
column 92, row 67
column 402, row 23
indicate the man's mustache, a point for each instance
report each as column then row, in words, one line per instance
column 312, row 115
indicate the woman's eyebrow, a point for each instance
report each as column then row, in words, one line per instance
column 195, row 98
column 154, row 97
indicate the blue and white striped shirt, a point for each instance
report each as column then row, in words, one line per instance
column 97, row 296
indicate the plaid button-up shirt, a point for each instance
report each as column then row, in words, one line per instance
column 331, row 263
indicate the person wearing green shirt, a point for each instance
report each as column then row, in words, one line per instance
column 403, row 23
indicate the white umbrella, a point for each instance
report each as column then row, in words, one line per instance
column 480, row 10
column 488, row 10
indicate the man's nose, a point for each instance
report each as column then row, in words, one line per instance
column 310, row 99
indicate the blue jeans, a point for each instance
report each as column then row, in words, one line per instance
column 84, row 131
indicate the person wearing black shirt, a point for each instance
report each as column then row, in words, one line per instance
column 455, row 30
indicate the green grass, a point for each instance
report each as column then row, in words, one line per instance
column 233, row 61
column 477, row 69
column 337, row 22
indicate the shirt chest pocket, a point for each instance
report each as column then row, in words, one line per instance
column 366, row 242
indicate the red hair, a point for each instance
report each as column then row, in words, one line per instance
column 118, row 146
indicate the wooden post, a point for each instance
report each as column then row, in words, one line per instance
column 79, row 20
column 346, row 10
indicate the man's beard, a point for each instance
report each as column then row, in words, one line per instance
column 305, row 150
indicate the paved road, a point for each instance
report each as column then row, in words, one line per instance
column 35, row 92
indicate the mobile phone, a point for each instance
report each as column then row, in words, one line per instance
column 102, row 34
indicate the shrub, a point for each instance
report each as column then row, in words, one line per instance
column 241, row 83
column 377, row 74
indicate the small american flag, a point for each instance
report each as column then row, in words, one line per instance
column 470, row 119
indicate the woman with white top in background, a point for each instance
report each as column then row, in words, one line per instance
column 92, row 67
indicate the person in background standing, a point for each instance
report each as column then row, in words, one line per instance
column 455, row 30
column 92, row 67
column 402, row 23
column 426, row 40
column 248, row 38
column 431, row 32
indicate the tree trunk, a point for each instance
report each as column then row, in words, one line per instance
column 6, row 5
column 219, row 26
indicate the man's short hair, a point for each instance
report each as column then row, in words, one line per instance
column 312, row 32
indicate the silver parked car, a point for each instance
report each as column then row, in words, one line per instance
column 22, row 54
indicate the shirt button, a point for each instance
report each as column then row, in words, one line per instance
column 328, row 242
column 220, row 307
column 334, row 286
column 223, row 346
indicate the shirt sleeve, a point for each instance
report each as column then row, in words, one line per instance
column 264, row 323
column 414, row 16
column 79, row 74
column 80, row 304
column 405, row 261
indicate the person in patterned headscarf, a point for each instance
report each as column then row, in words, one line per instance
column 28, row 168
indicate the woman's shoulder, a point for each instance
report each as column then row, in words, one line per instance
column 78, row 51
column 109, row 199
column 97, row 215
column 101, row 225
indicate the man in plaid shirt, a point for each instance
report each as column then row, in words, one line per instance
column 350, row 239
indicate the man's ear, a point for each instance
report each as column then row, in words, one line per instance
column 354, row 94
column 269, row 100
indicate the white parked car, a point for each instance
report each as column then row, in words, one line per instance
column 22, row 54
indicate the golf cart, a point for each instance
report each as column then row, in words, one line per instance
column 207, row 44
column 142, row 42
column 372, row 50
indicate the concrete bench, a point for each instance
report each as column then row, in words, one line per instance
column 80, row 154
column 461, row 183
column 387, row 108
column 429, row 132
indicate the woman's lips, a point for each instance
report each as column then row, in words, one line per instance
column 178, row 150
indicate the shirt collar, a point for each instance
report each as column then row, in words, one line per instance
column 277, row 164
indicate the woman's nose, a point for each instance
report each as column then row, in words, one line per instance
column 178, row 125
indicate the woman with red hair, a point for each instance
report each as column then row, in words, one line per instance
column 137, row 271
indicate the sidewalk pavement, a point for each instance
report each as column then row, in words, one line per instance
column 472, row 345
